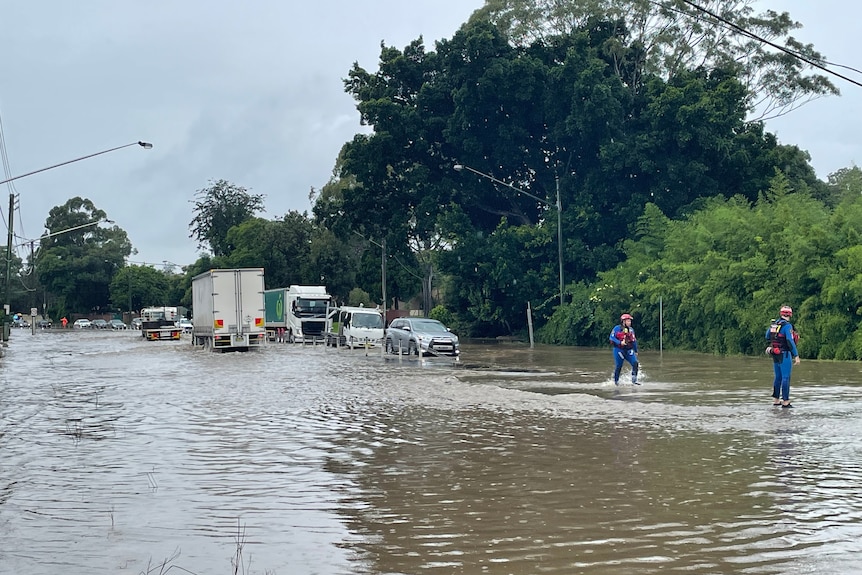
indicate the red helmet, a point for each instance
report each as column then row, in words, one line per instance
column 786, row 310
column 625, row 316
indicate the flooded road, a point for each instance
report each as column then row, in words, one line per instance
column 124, row 456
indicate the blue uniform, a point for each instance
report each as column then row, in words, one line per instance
column 625, row 349
column 782, row 341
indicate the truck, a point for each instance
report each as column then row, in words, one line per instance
column 159, row 323
column 355, row 327
column 228, row 307
column 275, row 319
column 306, row 313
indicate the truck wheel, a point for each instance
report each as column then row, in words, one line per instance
column 290, row 338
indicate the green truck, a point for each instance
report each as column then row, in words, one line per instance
column 275, row 320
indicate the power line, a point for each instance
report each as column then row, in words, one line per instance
column 752, row 35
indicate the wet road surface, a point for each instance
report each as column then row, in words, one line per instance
column 124, row 456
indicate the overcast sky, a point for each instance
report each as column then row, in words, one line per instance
column 250, row 92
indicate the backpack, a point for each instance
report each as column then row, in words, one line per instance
column 775, row 341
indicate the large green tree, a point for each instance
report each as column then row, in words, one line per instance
column 369, row 257
column 76, row 259
column 558, row 116
column 217, row 208
column 677, row 36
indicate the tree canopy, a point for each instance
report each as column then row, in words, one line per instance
column 218, row 208
column 561, row 111
column 719, row 275
column 77, row 257
column 679, row 36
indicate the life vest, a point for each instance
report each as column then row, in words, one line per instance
column 777, row 340
column 625, row 336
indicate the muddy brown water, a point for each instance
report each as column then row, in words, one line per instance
column 124, row 456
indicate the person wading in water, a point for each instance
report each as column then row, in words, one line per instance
column 782, row 347
column 625, row 348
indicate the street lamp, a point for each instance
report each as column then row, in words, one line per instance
column 57, row 233
column 559, row 206
column 145, row 145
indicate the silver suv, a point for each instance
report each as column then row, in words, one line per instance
column 412, row 334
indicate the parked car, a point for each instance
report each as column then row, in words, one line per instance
column 43, row 324
column 411, row 334
column 136, row 323
column 82, row 323
column 20, row 322
column 117, row 324
column 99, row 324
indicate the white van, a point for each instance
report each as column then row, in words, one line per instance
column 355, row 327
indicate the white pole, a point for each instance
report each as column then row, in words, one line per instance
column 530, row 324
column 660, row 327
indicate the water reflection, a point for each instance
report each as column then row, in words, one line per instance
column 121, row 455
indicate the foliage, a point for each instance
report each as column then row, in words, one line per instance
column 22, row 287
column 359, row 297
column 677, row 37
column 714, row 280
column 557, row 117
column 443, row 315
column 76, row 264
column 217, row 209
column 134, row 287
column 846, row 183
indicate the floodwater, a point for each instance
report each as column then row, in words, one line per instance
column 119, row 455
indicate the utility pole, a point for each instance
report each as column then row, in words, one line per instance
column 33, row 292
column 129, row 272
column 6, row 311
column 383, row 290
column 383, row 276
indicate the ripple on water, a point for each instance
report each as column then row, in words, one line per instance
column 125, row 452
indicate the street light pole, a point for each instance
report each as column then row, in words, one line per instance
column 559, row 206
column 6, row 303
column 57, row 233
column 145, row 145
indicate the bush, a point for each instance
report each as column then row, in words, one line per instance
column 359, row 297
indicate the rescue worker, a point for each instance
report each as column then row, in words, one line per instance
column 782, row 347
column 625, row 347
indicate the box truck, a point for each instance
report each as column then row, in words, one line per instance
column 228, row 306
column 306, row 315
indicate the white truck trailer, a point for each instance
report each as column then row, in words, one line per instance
column 306, row 315
column 228, row 308
column 355, row 327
